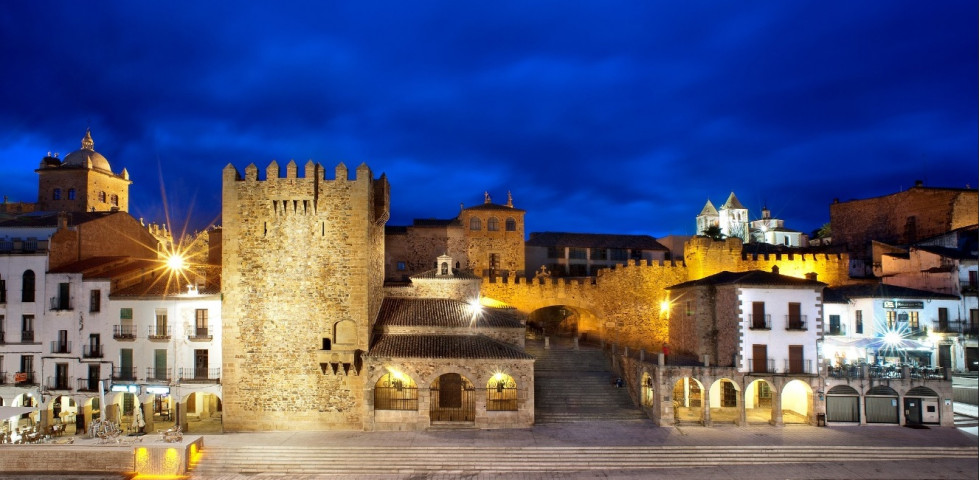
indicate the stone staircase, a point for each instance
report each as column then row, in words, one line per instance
column 470, row 460
column 576, row 385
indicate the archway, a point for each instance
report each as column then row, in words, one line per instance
column 724, row 406
column 843, row 404
column 395, row 391
column 453, row 399
column 61, row 411
column 201, row 413
column 120, row 409
column 921, row 406
column 758, row 402
column 796, row 402
column 501, row 393
column 647, row 395
column 882, row 405
column 688, row 401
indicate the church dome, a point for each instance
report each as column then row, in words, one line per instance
column 80, row 158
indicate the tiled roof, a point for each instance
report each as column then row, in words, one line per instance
column 158, row 287
column 442, row 312
column 90, row 267
column 732, row 202
column 708, row 209
column 883, row 290
column 50, row 219
column 493, row 206
column 444, row 346
column 593, row 240
column 752, row 277
column 956, row 253
column 456, row 275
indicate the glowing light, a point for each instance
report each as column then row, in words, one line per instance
column 498, row 376
column 475, row 305
column 492, row 302
column 892, row 338
column 664, row 306
column 176, row 262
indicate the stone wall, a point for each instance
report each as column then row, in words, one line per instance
column 117, row 234
column 302, row 262
column 507, row 245
column 87, row 185
column 418, row 247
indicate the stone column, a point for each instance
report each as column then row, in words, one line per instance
column 777, row 405
column 705, row 403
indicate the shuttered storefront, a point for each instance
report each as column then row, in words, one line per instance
column 882, row 405
column 842, row 404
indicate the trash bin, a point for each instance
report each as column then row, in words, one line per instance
column 820, row 419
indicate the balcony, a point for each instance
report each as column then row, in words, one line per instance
column 27, row 336
column 761, row 365
column 91, row 384
column 57, row 383
column 836, row 330
column 200, row 375
column 92, row 351
column 124, row 332
column 24, row 378
column 3, row 336
column 200, row 335
column 158, row 332
column 60, row 304
column 760, row 322
column 120, row 374
column 798, row 367
column 60, row 347
column 795, row 322
column 158, row 374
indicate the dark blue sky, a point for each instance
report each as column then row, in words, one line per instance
column 611, row 117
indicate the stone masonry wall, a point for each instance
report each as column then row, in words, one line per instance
column 420, row 246
column 302, row 262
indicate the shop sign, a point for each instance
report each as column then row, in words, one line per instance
column 904, row 304
column 158, row 390
column 126, row 388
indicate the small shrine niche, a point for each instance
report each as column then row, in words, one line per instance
column 443, row 267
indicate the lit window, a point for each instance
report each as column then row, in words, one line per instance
column 511, row 225
column 402, row 266
column 475, row 224
column 56, row 195
column 115, row 200
column 71, row 194
column 492, row 224
column 102, row 197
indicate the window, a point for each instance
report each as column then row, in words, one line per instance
column 796, row 321
column 402, row 266
column 475, row 224
column 913, row 323
column 27, row 329
column 115, row 200
column 492, row 224
column 71, row 194
column 125, row 314
column 943, row 319
column 200, row 363
column 690, row 309
column 27, row 291
column 599, row 254
column 891, row 320
column 64, row 295
column 95, row 301
column 511, row 225
column 161, row 323
column 102, row 197
column 56, row 194
column 200, row 322
column 577, row 253
column 619, row 254
column 834, row 325
column 758, row 318
column 859, row 321
column 555, row 252
column 3, row 291
column 973, row 278
column 395, row 391
column 501, row 393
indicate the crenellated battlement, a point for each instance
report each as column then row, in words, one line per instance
column 311, row 171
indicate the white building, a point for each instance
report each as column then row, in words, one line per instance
column 732, row 221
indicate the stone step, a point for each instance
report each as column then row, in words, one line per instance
column 380, row 460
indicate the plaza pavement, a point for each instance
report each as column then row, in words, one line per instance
column 642, row 433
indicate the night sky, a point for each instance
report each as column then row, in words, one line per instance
column 605, row 117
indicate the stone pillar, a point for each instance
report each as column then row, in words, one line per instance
column 642, row 355
column 148, row 415
column 547, row 343
column 862, row 406
column 661, row 359
column 777, row 405
column 575, row 342
column 705, row 403
column 742, row 412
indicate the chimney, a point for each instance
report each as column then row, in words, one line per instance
column 775, row 269
column 811, row 276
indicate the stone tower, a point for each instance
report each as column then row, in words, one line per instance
column 83, row 182
column 303, row 266
column 734, row 219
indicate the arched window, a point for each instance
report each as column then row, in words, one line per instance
column 27, row 292
column 647, row 390
column 445, row 268
column 395, row 391
column 511, row 225
column 71, row 194
column 475, row 224
column 501, row 393
column 102, row 197
column 492, row 224
column 115, row 200
column 56, row 194
column 345, row 333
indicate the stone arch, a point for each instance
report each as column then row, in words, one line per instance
column 395, row 391
column 647, row 392
column 688, row 400
column 201, row 412
column 843, row 404
column 501, row 393
column 881, row 405
column 725, row 401
column 452, row 399
column 758, row 401
column 796, row 402
column 561, row 320
column 921, row 405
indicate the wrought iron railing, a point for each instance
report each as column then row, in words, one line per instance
column 124, row 332
column 27, row 336
column 158, row 374
column 760, row 322
column 57, row 383
column 92, row 384
column 124, row 374
column 158, row 332
column 396, row 398
column 92, row 351
column 501, row 399
column 60, row 347
column 761, row 365
column 795, row 322
column 802, row 366
column 200, row 375
column 24, row 378
column 200, row 334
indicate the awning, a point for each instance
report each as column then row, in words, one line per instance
column 7, row 412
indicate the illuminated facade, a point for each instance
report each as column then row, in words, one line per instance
column 82, row 182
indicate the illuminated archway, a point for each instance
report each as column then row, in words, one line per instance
column 501, row 393
column 452, row 399
column 724, row 401
column 201, row 413
column 758, row 401
column 796, row 402
column 62, row 411
column 395, row 391
column 563, row 321
column 688, row 397
column 647, row 393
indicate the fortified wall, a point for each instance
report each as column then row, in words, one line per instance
column 303, row 267
column 626, row 305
